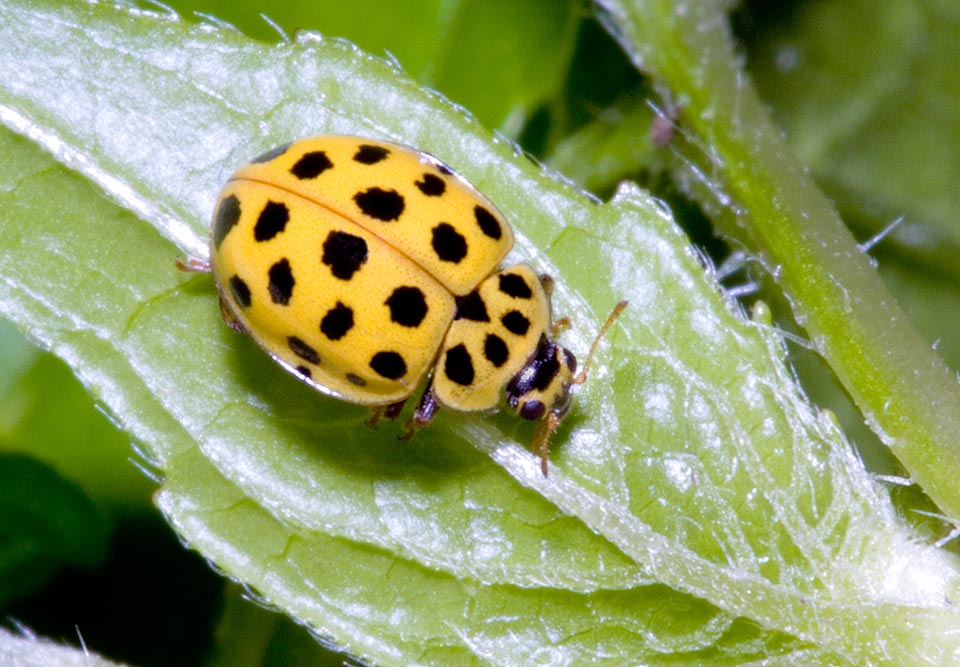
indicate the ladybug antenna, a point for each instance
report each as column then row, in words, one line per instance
column 611, row 318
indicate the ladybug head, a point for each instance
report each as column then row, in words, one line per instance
column 540, row 392
column 542, row 387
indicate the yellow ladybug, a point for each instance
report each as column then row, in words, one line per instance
column 365, row 267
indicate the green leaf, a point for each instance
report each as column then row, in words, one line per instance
column 17, row 355
column 250, row 636
column 410, row 31
column 29, row 651
column 698, row 511
column 519, row 49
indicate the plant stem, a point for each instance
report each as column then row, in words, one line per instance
column 907, row 394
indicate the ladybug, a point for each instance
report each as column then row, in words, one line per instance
column 368, row 269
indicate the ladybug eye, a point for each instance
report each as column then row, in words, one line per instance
column 533, row 410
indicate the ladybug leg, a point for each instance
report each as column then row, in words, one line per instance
column 541, row 438
column 230, row 319
column 559, row 326
column 546, row 280
column 389, row 411
column 197, row 265
column 193, row 265
column 423, row 415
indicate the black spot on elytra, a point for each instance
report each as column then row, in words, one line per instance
column 344, row 253
column 380, row 204
column 353, row 378
column 431, row 185
column 407, row 305
column 271, row 221
column 472, row 307
column 281, row 282
column 488, row 222
column 228, row 215
column 310, row 165
column 303, row 350
column 305, row 372
column 458, row 366
column 448, row 243
column 240, row 291
column 270, row 154
column 444, row 169
column 513, row 285
column 389, row 365
column 495, row 350
column 368, row 154
column 516, row 322
column 337, row 322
